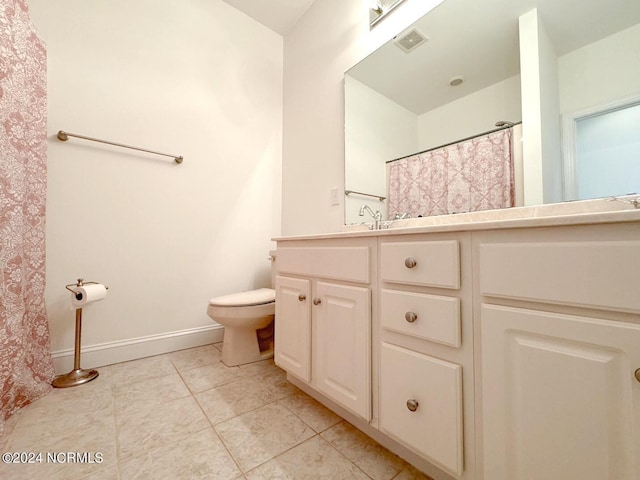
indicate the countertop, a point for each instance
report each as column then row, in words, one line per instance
column 609, row 210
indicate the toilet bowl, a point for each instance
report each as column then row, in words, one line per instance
column 247, row 318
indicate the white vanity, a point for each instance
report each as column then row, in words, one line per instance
column 498, row 345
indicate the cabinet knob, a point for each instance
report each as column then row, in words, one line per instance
column 302, row 297
column 637, row 374
column 410, row 317
column 412, row 405
column 410, row 262
column 317, row 301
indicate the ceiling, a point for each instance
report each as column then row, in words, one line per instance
column 479, row 40
column 278, row 15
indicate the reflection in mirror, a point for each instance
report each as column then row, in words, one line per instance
column 379, row 9
column 540, row 62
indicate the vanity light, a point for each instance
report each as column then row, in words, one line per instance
column 457, row 80
column 375, row 6
column 378, row 9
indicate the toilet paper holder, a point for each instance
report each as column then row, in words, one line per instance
column 80, row 283
column 78, row 375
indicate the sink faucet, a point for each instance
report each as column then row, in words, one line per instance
column 397, row 216
column 377, row 216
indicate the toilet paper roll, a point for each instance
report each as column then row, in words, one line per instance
column 88, row 294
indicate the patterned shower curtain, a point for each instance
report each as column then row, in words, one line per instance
column 26, row 370
column 468, row 176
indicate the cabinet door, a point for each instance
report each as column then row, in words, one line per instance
column 342, row 345
column 559, row 397
column 293, row 326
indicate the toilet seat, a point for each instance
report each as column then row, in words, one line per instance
column 260, row 296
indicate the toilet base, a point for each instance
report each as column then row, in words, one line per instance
column 243, row 347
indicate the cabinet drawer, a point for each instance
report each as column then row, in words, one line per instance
column 435, row 264
column 339, row 263
column 430, row 317
column 603, row 274
column 434, row 429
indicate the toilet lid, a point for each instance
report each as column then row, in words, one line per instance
column 245, row 299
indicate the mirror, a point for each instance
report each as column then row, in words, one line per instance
column 544, row 65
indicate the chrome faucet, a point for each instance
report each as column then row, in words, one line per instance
column 397, row 216
column 377, row 216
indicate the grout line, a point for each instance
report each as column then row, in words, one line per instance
column 344, row 456
column 259, row 377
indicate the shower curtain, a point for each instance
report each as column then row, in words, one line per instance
column 468, row 176
column 26, row 370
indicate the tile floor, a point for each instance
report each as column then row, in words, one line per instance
column 185, row 415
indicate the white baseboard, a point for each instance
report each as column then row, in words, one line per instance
column 93, row 356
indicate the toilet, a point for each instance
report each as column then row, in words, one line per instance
column 247, row 318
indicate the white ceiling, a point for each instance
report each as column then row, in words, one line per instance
column 278, row 15
column 479, row 40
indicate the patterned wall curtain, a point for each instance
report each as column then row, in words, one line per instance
column 26, row 370
column 468, row 176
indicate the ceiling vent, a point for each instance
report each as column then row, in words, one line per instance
column 407, row 42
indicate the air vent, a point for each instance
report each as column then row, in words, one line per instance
column 409, row 41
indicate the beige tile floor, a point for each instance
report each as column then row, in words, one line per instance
column 185, row 415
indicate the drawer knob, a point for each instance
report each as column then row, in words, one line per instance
column 637, row 374
column 410, row 317
column 302, row 297
column 410, row 262
column 317, row 301
column 412, row 405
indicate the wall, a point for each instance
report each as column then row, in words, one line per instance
column 203, row 81
column 550, row 115
column 378, row 130
column 472, row 114
column 540, row 113
column 600, row 72
column 315, row 62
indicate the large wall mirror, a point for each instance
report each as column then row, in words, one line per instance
column 495, row 104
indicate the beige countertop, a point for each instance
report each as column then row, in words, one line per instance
column 583, row 212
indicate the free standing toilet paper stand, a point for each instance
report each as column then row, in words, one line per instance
column 78, row 375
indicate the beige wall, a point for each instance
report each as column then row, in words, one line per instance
column 329, row 39
column 203, row 81
column 377, row 130
column 471, row 115
column 601, row 72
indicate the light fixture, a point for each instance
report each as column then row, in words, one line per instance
column 375, row 6
column 378, row 9
column 457, row 80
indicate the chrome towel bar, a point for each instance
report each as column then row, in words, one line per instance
column 64, row 136
column 379, row 197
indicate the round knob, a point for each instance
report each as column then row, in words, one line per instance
column 637, row 374
column 317, row 301
column 412, row 405
column 410, row 262
column 410, row 317
column 302, row 297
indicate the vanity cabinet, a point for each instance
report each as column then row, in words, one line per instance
column 558, row 322
column 323, row 320
column 501, row 351
column 425, row 307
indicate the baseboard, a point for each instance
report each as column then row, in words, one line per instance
column 93, row 356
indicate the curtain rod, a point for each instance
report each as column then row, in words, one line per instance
column 64, row 136
column 457, row 141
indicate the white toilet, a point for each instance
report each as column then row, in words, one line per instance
column 248, row 324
